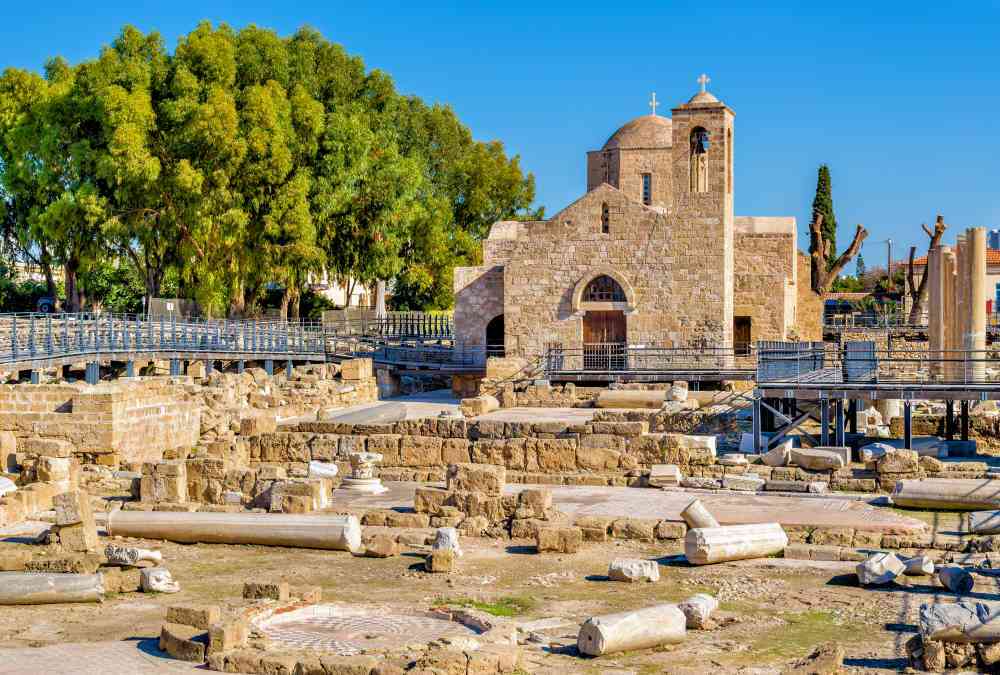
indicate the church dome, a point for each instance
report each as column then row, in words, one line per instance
column 703, row 97
column 648, row 131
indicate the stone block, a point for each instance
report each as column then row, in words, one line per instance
column 440, row 560
column 899, row 461
column 81, row 537
column 253, row 590
column 199, row 616
column 46, row 447
column 356, row 369
column 382, row 546
column 634, row 528
column 429, row 500
column 665, row 475
column 483, row 478
column 455, row 451
column 72, row 508
column 183, row 642
column 226, row 636
column 744, row 483
column 420, row 451
column 669, row 529
column 559, row 539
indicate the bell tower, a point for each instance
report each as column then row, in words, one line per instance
column 702, row 159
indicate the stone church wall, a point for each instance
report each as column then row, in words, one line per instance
column 625, row 170
column 765, row 275
column 479, row 293
column 673, row 266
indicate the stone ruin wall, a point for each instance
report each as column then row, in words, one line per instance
column 176, row 441
column 110, row 424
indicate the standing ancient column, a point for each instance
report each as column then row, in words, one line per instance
column 935, row 310
column 948, row 306
column 976, row 337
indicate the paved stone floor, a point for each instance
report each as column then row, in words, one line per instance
column 729, row 508
column 128, row 657
column 410, row 407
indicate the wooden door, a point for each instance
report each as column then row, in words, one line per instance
column 604, row 340
column 741, row 335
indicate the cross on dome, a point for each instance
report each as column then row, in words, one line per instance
column 653, row 103
column 703, row 79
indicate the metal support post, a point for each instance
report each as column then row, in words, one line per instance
column 209, row 366
column 907, row 425
column 949, row 420
column 824, row 435
column 757, row 441
column 241, row 366
column 35, row 379
column 288, row 369
column 269, row 367
column 93, row 373
column 965, row 420
column 852, row 416
column 130, row 369
column 838, row 423
column 175, row 367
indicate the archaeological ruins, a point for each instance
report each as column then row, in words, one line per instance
column 721, row 483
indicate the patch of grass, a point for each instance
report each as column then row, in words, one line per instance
column 800, row 632
column 506, row 606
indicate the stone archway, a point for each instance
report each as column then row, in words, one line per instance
column 495, row 345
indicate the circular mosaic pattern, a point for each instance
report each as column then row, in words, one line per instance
column 349, row 630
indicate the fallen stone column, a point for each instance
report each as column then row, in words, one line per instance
column 20, row 588
column 956, row 579
column 965, row 621
column 625, row 631
column 707, row 545
column 625, row 398
column 984, row 522
column 630, row 570
column 946, row 493
column 921, row 564
column 696, row 515
column 698, row 610
column 337, row 533
column 879, row 569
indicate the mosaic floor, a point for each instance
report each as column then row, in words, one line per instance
column 352, row 630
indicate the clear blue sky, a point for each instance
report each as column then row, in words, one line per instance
column 900, row 99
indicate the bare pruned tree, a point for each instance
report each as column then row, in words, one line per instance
column 819, row 252
column 918, row 292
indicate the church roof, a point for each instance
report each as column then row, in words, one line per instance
column 648, row 131
column 703, row 97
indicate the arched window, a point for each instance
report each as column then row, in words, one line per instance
column 605, row 218
column 603, row 289
column 698, row 161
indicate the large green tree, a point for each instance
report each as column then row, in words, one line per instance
column 823, row 205
column 241, row 161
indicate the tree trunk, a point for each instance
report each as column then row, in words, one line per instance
column 73, row 300
column 822, row 274
column 920, row 293
column 293, row 307
column 285, row 297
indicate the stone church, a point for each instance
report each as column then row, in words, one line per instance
column 651, row 255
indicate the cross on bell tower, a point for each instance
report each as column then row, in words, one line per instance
column 653, row 103
column 703, row 79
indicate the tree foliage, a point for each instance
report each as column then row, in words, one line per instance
column 240, row 162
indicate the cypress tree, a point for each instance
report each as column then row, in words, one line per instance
column 861, row 267
column 823, row 203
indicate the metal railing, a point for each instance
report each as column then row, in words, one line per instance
column 618, row 358
column 398, row 352
column 860, row 363
column 29, row 337
column 395, row 324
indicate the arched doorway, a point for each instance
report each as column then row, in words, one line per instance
column 495, row 337
column 604, row 330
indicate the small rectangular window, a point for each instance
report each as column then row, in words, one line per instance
column 647, row 189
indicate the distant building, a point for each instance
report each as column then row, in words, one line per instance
column 992, row 298
column 993, row 239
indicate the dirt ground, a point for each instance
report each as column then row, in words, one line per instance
column 773, row 611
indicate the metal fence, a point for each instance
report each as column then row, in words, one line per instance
column 393, row 324
column 619, row 358
column 26, row 337
column 859, row 362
